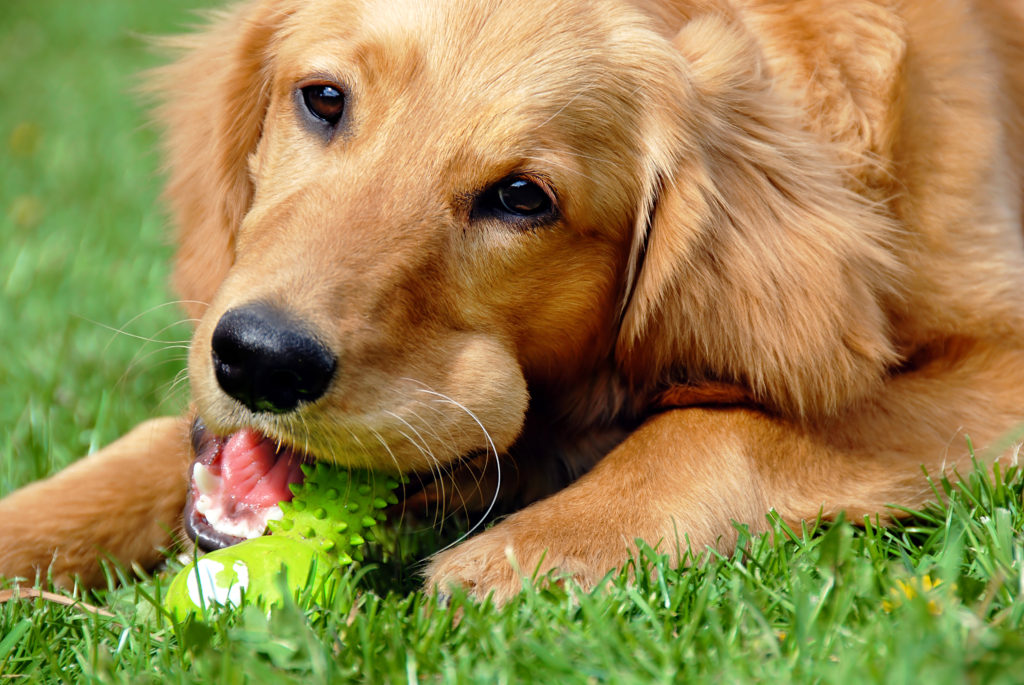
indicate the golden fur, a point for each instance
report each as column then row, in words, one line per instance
column 786, row 273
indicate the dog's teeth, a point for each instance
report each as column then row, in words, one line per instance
column 222, row 515
column 205, row 481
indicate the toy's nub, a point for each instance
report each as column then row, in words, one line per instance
column 334, row 510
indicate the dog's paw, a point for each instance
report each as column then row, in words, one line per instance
column 500, row 562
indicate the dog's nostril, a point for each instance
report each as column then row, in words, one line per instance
column 267, row 361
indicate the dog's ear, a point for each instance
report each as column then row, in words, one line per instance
column 212, row 103
column 754, row 263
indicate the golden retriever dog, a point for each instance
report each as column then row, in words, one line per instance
column 634, row 269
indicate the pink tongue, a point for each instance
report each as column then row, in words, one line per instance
column 255, row 473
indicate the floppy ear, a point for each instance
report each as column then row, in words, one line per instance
column 754, row 264
column 212, row 102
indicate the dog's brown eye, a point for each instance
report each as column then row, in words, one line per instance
column 522, row 197
column 517, row 200
column 325, row 102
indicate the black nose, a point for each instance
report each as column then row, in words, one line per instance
column 267, row 361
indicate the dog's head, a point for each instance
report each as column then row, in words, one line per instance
column 401, row 219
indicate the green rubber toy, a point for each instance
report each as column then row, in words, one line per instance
column 322, row 530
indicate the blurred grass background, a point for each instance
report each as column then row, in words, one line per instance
column 84, row 248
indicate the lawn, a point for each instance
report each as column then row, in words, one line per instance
column 93, row 343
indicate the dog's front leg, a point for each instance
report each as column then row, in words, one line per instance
column 684, row 477
column 121, row 503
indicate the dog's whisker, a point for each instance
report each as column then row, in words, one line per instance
column 174, row 388
column 427, row 426
column 156, row 308
column 497, row 463
column 448, row 471
column 394, row 459
column 443, row 472
column 412, row 442
column 367, row 453
column 439, row 477
column 139, row 358
column 434, row 464
column 387, row 448
column 176, row 353
column 305, row 434
column 448, row 426
column 122, row 331
column 423, row 445
column 173, row 359
column 176, row 383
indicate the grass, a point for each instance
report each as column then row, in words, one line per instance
column 89, row 348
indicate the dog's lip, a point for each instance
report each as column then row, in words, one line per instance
column 199, row 530
column 208, row 450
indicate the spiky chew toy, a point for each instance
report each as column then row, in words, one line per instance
column 322, row 529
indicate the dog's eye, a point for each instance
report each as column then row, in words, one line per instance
column 522, row 197
column 325, row 102
column 517, row 198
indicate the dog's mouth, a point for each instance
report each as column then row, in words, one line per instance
column 235, row 485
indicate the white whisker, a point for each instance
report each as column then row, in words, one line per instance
column 423, row 446
column 355, row 438
column 137, row 360
column 305, row 433
column 434, row 464
column 147, row 312
column 428, row 427
column 497, row 464
column 384, row 444
column 135, row 336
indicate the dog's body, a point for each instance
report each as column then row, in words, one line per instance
column 678, row 263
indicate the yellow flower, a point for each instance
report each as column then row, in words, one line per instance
column 910, row 589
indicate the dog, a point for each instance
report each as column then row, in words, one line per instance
column 632, row 269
